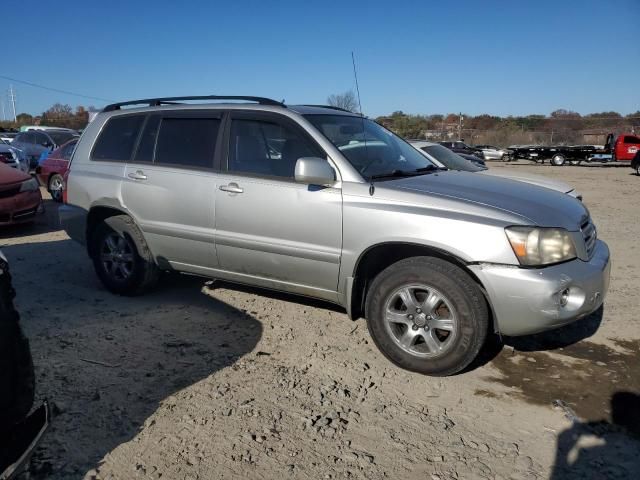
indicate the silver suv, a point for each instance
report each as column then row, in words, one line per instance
column 321, row 202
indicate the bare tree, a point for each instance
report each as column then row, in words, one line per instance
column 346, row 100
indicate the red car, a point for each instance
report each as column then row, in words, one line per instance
column 51, row 170
column 20, row 196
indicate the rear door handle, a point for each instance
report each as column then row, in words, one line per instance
column 231, row 188
column 138, row 175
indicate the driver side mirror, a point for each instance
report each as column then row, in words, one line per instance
column 314, row 171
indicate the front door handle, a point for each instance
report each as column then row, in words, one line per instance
column 138, row 175
column 231, row 188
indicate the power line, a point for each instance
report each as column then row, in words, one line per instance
column 51, row 89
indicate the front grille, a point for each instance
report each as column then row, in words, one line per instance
column 590, row 236
column 8, row 192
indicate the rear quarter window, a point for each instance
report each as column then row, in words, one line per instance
column 118, row 138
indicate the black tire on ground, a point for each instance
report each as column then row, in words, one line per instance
column 558, row 160
column 55, row 187
column 467, row 301
column 505, row 158
column 128, row 269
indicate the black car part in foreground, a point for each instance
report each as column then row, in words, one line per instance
column 19, row 432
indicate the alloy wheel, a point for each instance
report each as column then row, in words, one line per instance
column 421, row 320
column 117, row 256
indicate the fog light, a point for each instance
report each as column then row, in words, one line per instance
column 564, row 297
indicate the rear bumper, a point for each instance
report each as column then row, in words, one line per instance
column 527, row 301
column 20, row 208
column 73, row 220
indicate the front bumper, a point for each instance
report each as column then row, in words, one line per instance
column 20, row 208
column 527, row 301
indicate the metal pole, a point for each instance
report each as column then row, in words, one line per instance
column 12, row 96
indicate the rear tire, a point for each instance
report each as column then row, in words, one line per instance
column 55, row 187
column 558, row 160
column 427, row 315
column 121, row 257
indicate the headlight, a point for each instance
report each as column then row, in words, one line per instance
column 30, row 185
column 541, row 246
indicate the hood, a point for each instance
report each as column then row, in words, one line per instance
column 9, row 176
column 532, row 178
column 532, row 204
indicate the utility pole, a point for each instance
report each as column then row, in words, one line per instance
column 460, row 126
column 12, row 99
column 4, row 117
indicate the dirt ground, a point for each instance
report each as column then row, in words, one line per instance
column 206, row 380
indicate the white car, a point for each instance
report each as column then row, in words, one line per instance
column 12, row 156
column 494, row 153
column 444, row 157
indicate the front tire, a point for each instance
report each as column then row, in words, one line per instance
column 427, row 315
column 121, row 257
column 558, row 160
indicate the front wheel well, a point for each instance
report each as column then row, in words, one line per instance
column 377, row 258
column 95, row 217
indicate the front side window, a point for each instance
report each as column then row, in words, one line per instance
column 117, row 138
column 188, row 142
column 372, row 149
column 630, row 139
column 268, row 148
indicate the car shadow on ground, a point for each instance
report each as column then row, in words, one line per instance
column 550, row 340
column 107, row 362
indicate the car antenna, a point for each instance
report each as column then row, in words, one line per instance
column 372, row 188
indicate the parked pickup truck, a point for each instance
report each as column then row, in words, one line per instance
column 620, row 148
column 321, row 202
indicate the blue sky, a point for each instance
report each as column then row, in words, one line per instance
column 497, row 57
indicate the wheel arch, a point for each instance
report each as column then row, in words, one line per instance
column 97, row 214
column 377, row 257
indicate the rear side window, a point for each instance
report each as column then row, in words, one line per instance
column 117, row 138
column 148, row 140
column 189, row 142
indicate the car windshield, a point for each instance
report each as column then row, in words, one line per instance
column 451, row 160
column 372, row 149
column 61, row 137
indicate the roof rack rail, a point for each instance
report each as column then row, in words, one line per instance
column 331, row 107
column 156, row 102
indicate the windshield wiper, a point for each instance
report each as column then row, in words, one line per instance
column 392, row 174
column 406, row 173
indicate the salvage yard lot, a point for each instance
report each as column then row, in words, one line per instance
column 206, row 380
